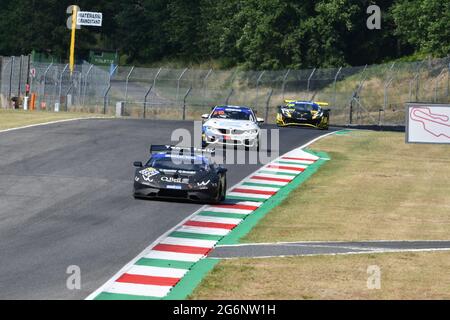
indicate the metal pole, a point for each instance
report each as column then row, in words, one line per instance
column 229, row 96
column 149, row 90
column 448, row 80
column 418, row 80
column 334, row 86
column 184, row 102
column 204, row 83
column 283, row 85
column 257, row 87
column 28, row 87
column 43, row 87
column 145, row 100
column 267, row 105
column 20, row 75
column 436, row 83
column 85, row 82
column 67, row 93
column 309, row 79
column 60, row 82
column 105, row 96
column 178, row 82
column 10, row 79
column 126, row 85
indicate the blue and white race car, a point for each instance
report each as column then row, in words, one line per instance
column 231, row 125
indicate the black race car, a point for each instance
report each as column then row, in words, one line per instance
column 303, row 113
column 180, row 173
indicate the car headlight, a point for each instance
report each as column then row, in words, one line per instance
column 211, row 129
column 286, row 113
column 317, row 115
column 252, row 132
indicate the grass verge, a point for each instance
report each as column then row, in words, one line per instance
column 403, row 276
column 18, row 118
column 376, row 187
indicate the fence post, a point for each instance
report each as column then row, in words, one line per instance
column 105, row 96
column 10, row 80
column 85, row 83
column 448, row 80
column 229, row 96
column 126, row 86
column 67, row 94
column 436, row 83
column 60, row 83
column 309, row 79
column 148, row 92
column 334, row 86
column 283, row 85
column 257, row 87
column 44, row 85
column 178, row 82
column 204, row 81
column 20, row 75
column 267, row 105
column 355, row 94
column 417, row 78
column 184, row 102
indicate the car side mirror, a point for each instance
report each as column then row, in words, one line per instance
column 205, row 116
column 260, row 120
column 137, row 164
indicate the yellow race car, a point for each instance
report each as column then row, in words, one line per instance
column 303, row 113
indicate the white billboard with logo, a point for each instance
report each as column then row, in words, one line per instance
column 427, row 123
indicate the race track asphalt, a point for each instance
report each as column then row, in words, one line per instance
column 65, row 199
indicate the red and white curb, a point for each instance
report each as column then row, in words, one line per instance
column 161, row 266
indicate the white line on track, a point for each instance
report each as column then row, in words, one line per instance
column 51, row 122
column 339, row 254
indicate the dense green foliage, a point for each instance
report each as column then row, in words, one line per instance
column 256, row 34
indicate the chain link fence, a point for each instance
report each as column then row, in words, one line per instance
column 362, row 95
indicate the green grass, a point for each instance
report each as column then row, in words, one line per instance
column 19, row 118
column 375, row 187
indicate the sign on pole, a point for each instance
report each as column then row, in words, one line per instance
column 77, row 19
column 428, row 123
column 86, row 18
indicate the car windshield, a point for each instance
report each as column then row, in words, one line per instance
column 231, row 113
column 173, row 162
column 304, row 107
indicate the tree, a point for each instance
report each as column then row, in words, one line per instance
column 425, row 24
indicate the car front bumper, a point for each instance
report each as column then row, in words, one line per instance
column 230, row 139
column 196, row 195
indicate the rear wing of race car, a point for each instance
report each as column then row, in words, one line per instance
column 181, row 150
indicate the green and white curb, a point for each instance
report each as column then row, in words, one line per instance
column 173, row 266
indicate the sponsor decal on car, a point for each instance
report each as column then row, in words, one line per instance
column 175, row 180
column 147, row 173
column 175, row 187
column 203, row 183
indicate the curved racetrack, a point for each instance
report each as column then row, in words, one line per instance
column 65, row 199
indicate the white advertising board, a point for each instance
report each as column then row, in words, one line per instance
column 86, row 18
column 428, row 123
